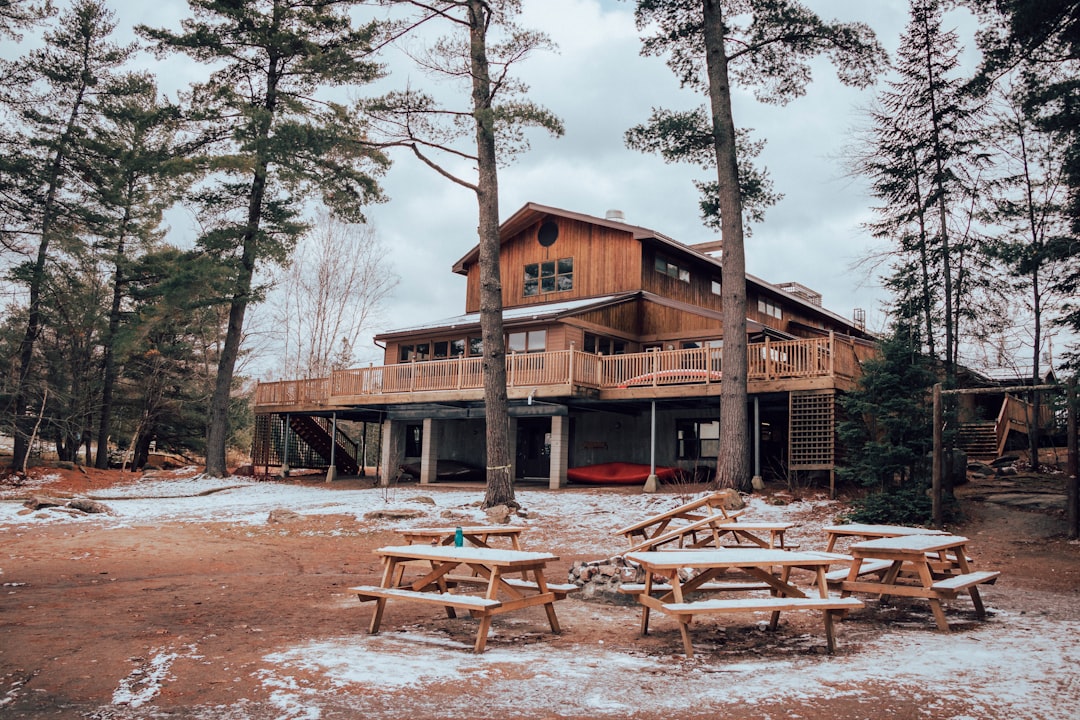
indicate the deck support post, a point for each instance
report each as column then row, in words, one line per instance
column 560, row 451
column 429, row 453
column 756, row 482
column 652, row 483
column 331, row 472
column 285, row 450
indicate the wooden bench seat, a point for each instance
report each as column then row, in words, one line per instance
column 868, row 566
column 638, row 588
column 767, row 604
column 966, row 580
column 561, row 590
column 367, row 593
column 830, row 608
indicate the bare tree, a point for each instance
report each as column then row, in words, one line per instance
column 332, row 292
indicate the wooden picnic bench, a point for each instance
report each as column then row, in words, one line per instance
column 758, row 563
column 695, row 511
column 933, row 567
column 486, row 567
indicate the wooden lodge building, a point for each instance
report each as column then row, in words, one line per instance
column 612, row 330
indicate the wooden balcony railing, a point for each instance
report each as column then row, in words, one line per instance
column 808, row 358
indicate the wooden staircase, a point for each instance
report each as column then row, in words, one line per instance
column 316, row 433
column 978, row 440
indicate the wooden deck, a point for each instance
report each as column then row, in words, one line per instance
column 816, row 363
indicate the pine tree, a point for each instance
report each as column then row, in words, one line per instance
column 137, row 174
column 767, row 45
column 277, row 139
column 52, row 106
column 496, row 114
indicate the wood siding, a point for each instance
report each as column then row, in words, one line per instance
column 606, row 261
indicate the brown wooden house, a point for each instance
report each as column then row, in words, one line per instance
column 612, row 330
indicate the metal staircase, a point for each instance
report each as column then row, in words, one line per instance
column 315, row 431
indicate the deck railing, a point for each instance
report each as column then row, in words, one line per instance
column 771, row 360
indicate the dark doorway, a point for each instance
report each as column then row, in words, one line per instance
column 534, row 448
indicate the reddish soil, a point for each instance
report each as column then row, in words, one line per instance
column 91, row 605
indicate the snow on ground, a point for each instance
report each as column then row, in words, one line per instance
column 1016, row 665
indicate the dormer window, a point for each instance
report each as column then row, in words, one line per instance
column 668, row 267
column 548, row 277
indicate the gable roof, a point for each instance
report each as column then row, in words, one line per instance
column 531, row 213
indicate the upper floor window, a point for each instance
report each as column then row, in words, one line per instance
column 531, row 341
column 419, row 352
column 669, row 268
column 604, row 345
column 549, row 276
column 770, row 308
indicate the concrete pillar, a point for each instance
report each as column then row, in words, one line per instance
column 429, row 452
column 560, row 451
column 393, row 449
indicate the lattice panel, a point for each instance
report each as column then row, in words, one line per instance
column 813, row 431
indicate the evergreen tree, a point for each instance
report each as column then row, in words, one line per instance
column 925, row 166
column 52, row 106
column 486, row 131
column 277, row 139
column 886, row 433
column 137, row 176
column 1042, row 39
column 767, row 45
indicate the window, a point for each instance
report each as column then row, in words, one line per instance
column 549, row 276
column 457, row 348
column 604, row 345
column 409, row 353
column 441, row 350
column 770, row 308
column 476, row 347
column 414, row 440
column 698, row 439
column 669, row 268
column 531, row 341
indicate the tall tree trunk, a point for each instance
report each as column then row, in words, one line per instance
column 108, row 362
column 951, row 334
column 24, row 422
column 217, row 430
column 500, row 485
column 924, row 260
column 733, row 466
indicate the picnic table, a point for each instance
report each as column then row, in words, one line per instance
column 488, row 570
column 930, row 566
column 708, row 566
column 873, row 532
column 476, row 535
column 692, row 519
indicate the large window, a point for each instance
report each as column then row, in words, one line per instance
column 530, row 341
column 549, row 276
column 419, row 352
column 664, row 266
column 698, row 439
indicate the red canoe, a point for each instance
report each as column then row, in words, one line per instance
column 618, row 473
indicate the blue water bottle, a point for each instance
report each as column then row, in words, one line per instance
column 459, row 538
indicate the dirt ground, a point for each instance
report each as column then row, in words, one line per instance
column 81, row 607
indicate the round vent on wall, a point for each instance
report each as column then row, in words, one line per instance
column 548, row 233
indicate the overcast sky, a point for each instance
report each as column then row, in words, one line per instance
column 599, row 84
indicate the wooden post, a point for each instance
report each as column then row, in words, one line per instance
column 937, row 459
column 1072, row 483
